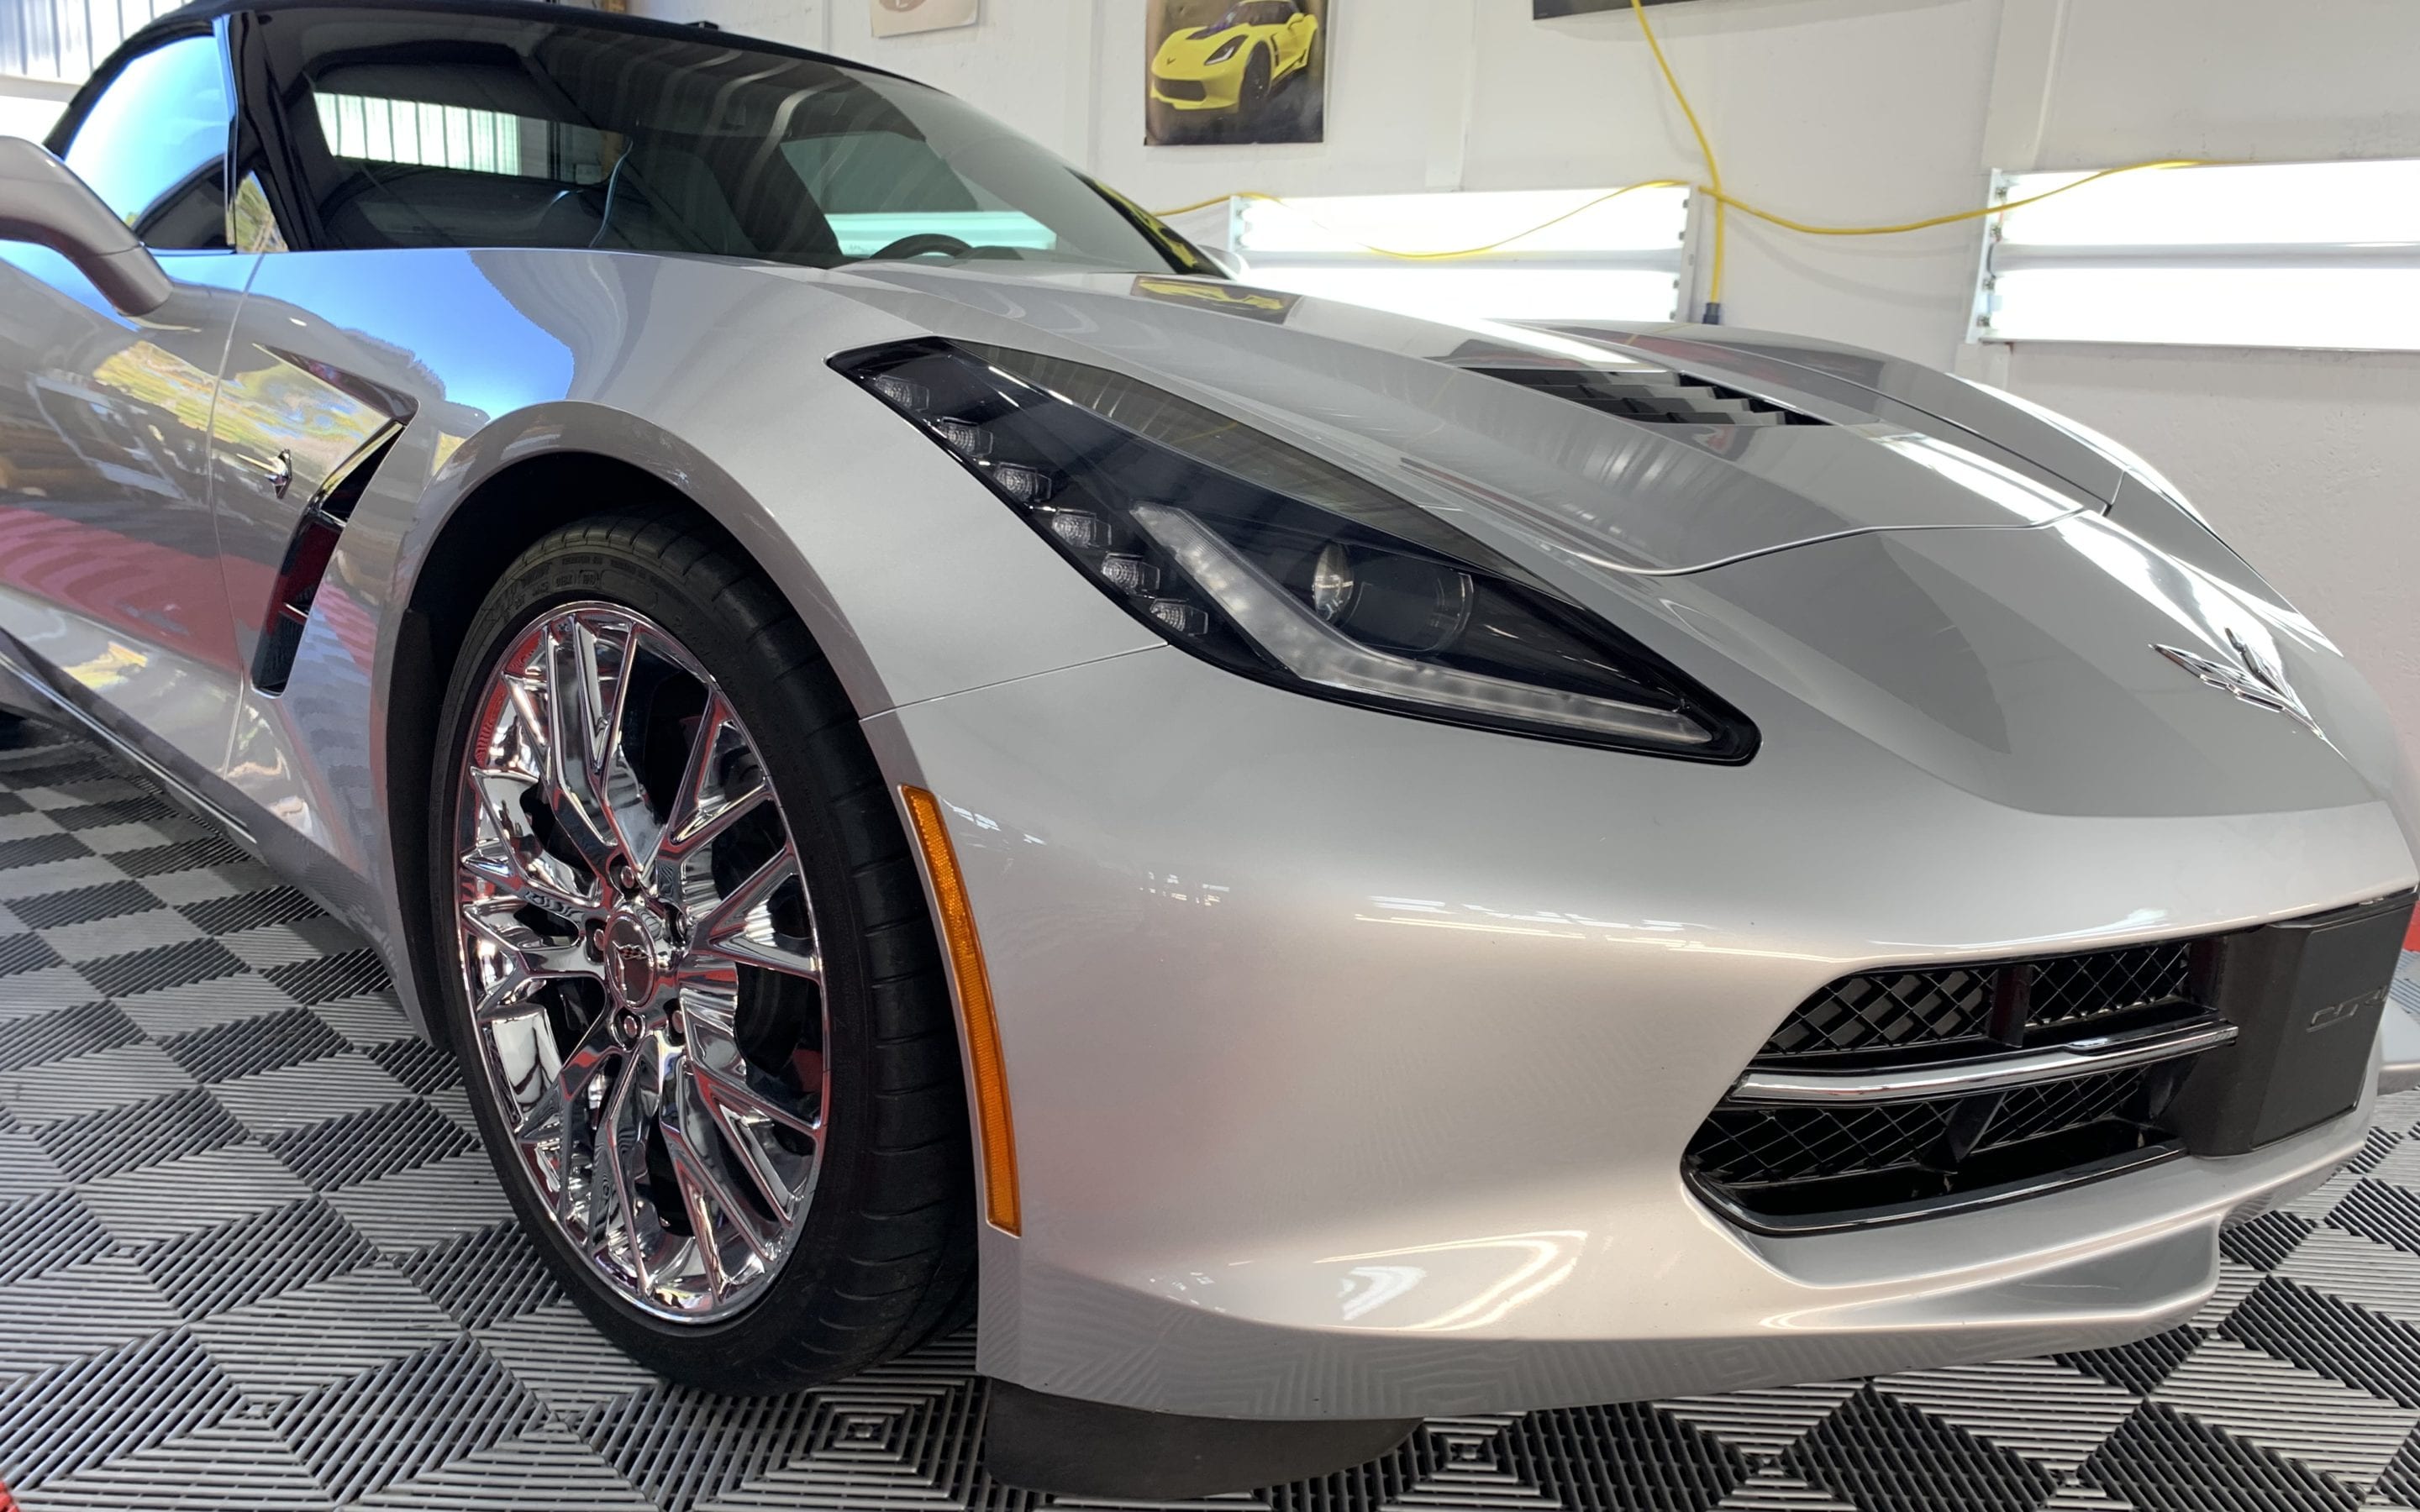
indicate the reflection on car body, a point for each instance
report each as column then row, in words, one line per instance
column 763, row 596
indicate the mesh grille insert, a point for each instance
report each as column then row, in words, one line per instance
column 1797, row 1162
column 1945, row 1013
column 1887, row 1010
column 1807, row 1163
column 2066, row 988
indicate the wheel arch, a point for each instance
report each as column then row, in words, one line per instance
column 493, row 497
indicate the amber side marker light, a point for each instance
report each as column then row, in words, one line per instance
column 998, row 1133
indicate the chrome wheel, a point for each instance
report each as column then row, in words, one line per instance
column 639, row 953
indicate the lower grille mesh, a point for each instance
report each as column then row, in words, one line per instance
column 1802, row 1160
column 1851, row 1155
column 1747, row 1146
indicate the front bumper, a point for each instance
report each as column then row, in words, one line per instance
column 1221, row 89
column 1353, row 1057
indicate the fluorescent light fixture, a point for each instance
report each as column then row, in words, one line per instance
column 1459, row 295
column 1643, row 219
column 1614, row 260
column 2324, row 255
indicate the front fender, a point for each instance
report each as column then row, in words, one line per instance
column 708, row 378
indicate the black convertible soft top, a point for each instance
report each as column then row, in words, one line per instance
column 199, row 15
column 560, row 15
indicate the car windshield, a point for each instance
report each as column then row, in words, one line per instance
column 1253, row 13
column 512, row 133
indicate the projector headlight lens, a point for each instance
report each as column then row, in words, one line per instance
column 1273, row 564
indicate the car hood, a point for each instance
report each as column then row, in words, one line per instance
column 1195, row 43
column 1900, row 559
column 1466, row 417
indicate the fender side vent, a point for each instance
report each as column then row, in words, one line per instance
column 308, row 552
column 1653, row 398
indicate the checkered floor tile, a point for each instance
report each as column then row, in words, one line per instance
column 250, row 1256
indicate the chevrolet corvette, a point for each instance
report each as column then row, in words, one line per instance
column 939, row 758
column 1233, row 63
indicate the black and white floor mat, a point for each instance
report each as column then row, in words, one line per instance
column 252, row 1257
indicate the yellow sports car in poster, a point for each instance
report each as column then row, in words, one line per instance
column 1233, row 63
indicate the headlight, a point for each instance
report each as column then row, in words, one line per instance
column 1227, row 49
column 1263, row 559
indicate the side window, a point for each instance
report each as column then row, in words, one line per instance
column 154, row 143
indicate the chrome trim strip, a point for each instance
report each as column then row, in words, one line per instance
column 175, row 786
column 1949, row 1079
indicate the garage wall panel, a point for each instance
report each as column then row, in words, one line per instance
column 64, row 39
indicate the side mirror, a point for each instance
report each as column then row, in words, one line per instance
column 42, row 201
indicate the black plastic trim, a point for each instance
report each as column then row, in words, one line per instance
column 2307, row 995
column 309, row 552
column 1038, row 1442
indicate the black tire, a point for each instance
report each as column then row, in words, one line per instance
column 1254, row 92
column 18, row 730
column 886, row 1253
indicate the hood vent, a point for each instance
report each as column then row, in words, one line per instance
column 1653, row 398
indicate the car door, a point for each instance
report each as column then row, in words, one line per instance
column 110, row 584
column 1300, row 33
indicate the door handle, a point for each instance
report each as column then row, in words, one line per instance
column 278, row 471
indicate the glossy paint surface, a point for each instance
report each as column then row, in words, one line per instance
column 1485, row 1020
column 1352, row 1054
column 109, row 565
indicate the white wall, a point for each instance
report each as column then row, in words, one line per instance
column 28, row 106
column 1844, row 112
column 2308, row 461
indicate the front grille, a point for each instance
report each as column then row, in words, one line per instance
column 1848, row 1158
column 1796, row 1162
column 2074, row 988
column 1655, row 398
column 1933, row 1013
column 1886, row 1010
column 1180, row 88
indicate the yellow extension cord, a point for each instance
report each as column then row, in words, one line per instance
column 1705, row 150
column 1724, row 201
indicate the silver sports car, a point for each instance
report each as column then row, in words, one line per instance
column 936, row 756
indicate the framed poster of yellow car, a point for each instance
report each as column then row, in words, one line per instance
column 1236, row 70
column 897, row 17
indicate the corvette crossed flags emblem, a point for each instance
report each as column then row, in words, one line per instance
column 2256, row 680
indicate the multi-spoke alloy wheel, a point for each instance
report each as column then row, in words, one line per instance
column 641, row 958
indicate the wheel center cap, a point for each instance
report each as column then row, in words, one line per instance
column 632, row 962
